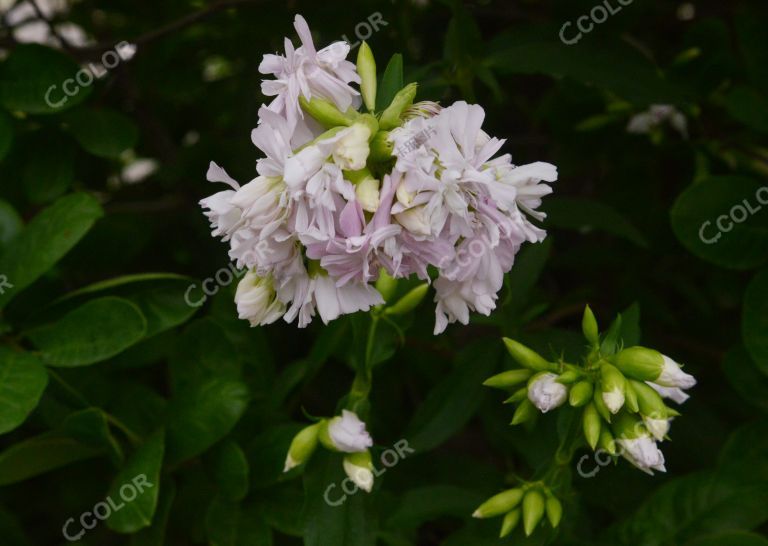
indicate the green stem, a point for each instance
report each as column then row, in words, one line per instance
column 361, row 386
column 134, row 438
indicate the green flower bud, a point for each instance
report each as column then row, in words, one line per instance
column 554, row 510
column 630, row 398
column 510, row 522
column 628, row 427
column 524, row 412
column 581, row 394
column 602, row 409
column 589, row 327
column 569, row 376
column 506, row 380
column 408, row 303
column 591, row 424
column 533, row 510
column 359, row 469
column 386, row 285
column 606, row 441
column 325, row 113
column 302, row 446
column 366, row 67
column 640, row 363
column 499, row 504
column 526, row 357
column 613, row 386
column 391, row 117
column 649, row 402
column 381, row 147
column 519, row 395
column 371, row 122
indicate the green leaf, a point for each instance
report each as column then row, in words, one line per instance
column 43, row 242
column 90, row 427
column 751, row 34
column 137, row 486
column 91, row 333
column 10, row 223
column 748, row 107
column 33, row 72
column 329, row 519
column 420, row 505
column 229, row 524
column 6, row 134
column 391, row 82
column 202, row 414
column 585, row 216
column 732, row 244
column 455, row 399
column 41, row 454
column 231, row 471
column 754, row 321
column 44, row 181
column 104, row 133
column 22, row 382
column 202, row 352
column 734, row 538
column 745, row 378
column 154, row 535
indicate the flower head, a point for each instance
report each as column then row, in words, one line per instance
column 348, row 434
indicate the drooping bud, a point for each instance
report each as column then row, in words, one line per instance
column 366, row 67
column 499, row 504
column 510, row 522
column 345, row 433
column 508, row 379
column 630, row 401
column 302, row 447
column 649, row 365
column 257, row 300
column 408, row 303
column 589, row 327
column 526, row 357
column 607, row 441
column 581, row 394
column 612, row 385
column 533, row 510
column 391, row 117
column 673, row 393
column 602, row 409
column 638, row 446
column 325, row 112
column 591, row 425
column 359, row 469
column 545, row 392
column 554, row 510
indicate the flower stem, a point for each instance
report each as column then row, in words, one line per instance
column 361, row 386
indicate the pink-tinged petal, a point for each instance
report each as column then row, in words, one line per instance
column 351, row 220
column 217, row 174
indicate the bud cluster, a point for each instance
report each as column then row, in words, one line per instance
column 341, row 434
column 619, row 392
column 528, row 502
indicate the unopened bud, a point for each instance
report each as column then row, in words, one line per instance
column 518, row 396
column 325, row 112
column 606, row 441
column 613, row 385
column 506, row 380
column 569, row 376
column 302, row 447
column 524, row 412
column 545, row 392
column 526, row 357
column 510, row 522
column 366, row 67
column 359, row 469
column 581, row 394
column 391, row 117
column 499, row 504
column 589, row 327
column 408, row 303
column 554, row 510
column 591, row 425
column 533, row 510
column 386, row 285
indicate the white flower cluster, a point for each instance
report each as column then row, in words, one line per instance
column 341, row 195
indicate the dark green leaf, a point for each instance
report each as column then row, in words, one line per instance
column 48, row 237
column 137, row 486
column 91, row 333
column 754, row 322
column 48, row 166
column 104, row 133
column 10, row 223
column 585, row 216
column 6, row 134
column 22, row 382
column 231, row 471
column 391, row 82
column 41, row 454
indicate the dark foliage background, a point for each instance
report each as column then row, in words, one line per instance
column 127, row 360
